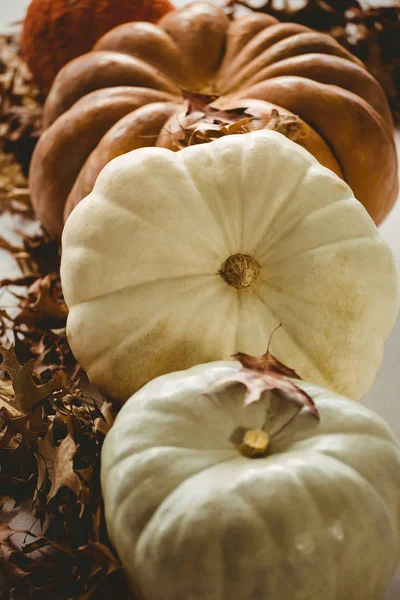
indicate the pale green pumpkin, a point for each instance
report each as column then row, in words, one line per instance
column 192, row 519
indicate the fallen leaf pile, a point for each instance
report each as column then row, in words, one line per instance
column 201, row 123
column 52, row 426
column 52, row 423
column 20, row 104
column 51, row 434
column 371, row 33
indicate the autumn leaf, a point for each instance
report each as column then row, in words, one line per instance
column 44, row 304
column 26, row 392
column 57, row 462
column 24, row 428
column 267, row 373
column 103, row 424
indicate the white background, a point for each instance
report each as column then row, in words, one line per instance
column 384, row 398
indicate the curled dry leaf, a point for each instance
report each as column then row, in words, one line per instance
column 267, row 373
column 200, row 122
column 44, row 304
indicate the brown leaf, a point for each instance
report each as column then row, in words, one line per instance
column 267, row 373
column 103, row 424
column 44, row 305
column 27, row 393
column 26, row 428
column 6, row 396
column 104, row 561
column 59, row 464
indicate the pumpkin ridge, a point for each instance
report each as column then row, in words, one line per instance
column 358, row 475
column 226, row 239
column 321, row 246
column 194, row 475
column 117, row 69
column 345, row 434
column 288, row 48
column 100, row 355
column 126, row 288
column 286, row 29
column 288, row 198
column 307, row 62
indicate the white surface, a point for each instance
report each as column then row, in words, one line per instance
column 10, row 12
column 384, row 398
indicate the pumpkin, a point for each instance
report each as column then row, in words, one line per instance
column 56, row 31
column 317, row 516
column 149, row 85
column 178, row 258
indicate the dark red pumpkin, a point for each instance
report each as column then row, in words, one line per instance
column 56, row 31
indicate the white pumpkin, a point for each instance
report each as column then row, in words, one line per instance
column 176, row 259
column 192, row 519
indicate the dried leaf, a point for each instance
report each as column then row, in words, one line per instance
column 267, row 373
column 27, row 393
column 59, row 464
column 103, row 425
column 44, row 305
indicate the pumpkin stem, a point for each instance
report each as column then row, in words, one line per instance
column 254, row 443
column 240, row 270
column 290, row 126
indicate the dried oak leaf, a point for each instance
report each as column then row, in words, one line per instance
column 25, row 429
column 27, row 393
column 44, row 305
column 57, row 463
column 267, row 373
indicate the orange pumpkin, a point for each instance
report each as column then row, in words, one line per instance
column 198, row 73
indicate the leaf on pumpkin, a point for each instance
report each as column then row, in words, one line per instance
column 27, row 393
column 58, row 463
column 291, row 126
column 267, row 373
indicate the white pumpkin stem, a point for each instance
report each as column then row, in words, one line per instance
column 240, row 270
column 254, row 444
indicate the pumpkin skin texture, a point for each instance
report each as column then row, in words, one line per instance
column 190, row 517
column 197, row 50
column 57, row 31
column 176, row 259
